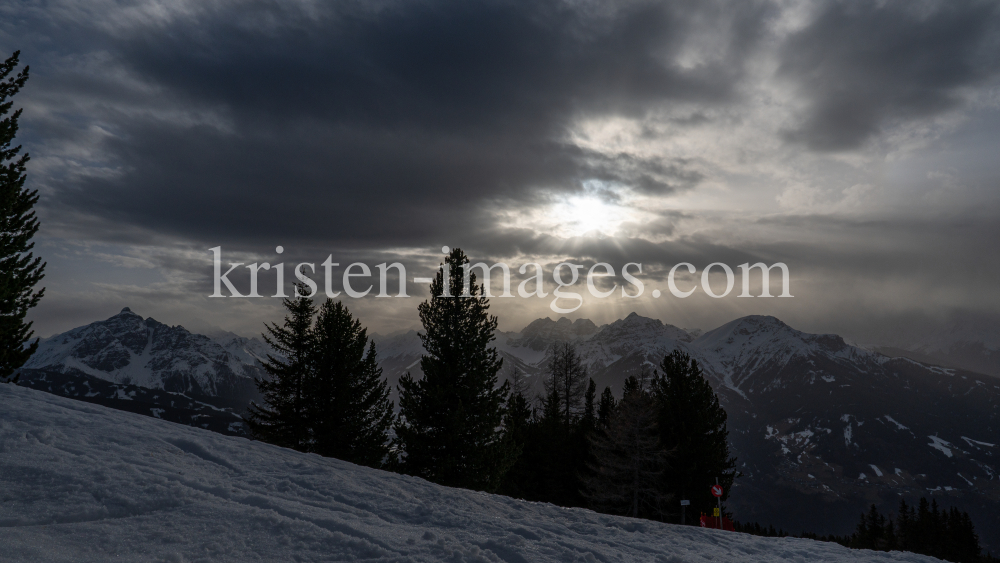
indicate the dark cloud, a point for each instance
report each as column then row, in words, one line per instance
column 366, row 130
column 862, row 65
column 388, row 125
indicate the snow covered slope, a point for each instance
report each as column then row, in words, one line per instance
column 81, row 482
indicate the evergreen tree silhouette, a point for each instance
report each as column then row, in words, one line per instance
column 520, row 481
column 20, row 270
column 450, row 420
column 692, row 425
column 349, row 410
column 283, row 417
column 605, row 407
column 568, row 376
column 589, row 419
column 928, row 530
column 629, row 460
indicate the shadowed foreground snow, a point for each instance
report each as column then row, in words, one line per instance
column 80, row 482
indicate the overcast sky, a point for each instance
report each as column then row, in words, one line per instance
column 856, row 142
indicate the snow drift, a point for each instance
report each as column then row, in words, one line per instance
column 81, row 482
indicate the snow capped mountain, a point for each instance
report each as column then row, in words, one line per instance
column 127, row 349
column 85, row 483
column 739, row 349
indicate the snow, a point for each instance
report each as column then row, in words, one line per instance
column 898, row 425
column 81, row 482
column 745, row 345
column 875, row 469
column 975, row 443
column 941, row 445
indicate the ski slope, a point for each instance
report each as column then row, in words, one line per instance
column 80, row 482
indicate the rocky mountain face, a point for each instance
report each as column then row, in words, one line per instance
column 143, row 365
column 823, row 429
column 128, row 349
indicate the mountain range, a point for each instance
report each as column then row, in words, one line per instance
column 820, row 428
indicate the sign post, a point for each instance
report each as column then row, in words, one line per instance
column 684, row 505
column 717, row 493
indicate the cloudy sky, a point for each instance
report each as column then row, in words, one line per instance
column 854, row 141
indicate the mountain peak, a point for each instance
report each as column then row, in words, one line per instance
column 542, row 332
column 749, row 326
column 762, row 320
column 766, row 336
column 637, row 326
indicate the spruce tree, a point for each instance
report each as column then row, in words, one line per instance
column 20, row 270
column 554, row 452
column 922, row 532
column 628, row 459
column 450, row 420
column 519, row 482
column 693, row 425
column 348, row 404
column 517, row 418
column 283, row 418
column 605, row 408
column 904, row 526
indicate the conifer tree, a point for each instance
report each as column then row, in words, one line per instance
column 922, row 530
column 519, row 482
column 567, row 375
column 349, row 410
column 283, row 419
column 518, row 415
column 450, row 420
column 693, row 425
column 934, row 528
column 554, row 466
column 929, row 530
column 629, row 462
column 589, row 420
column 605, row 408
column 904, row 525
column 20, row 270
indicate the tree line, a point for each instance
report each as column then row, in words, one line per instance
column 926, row 529
column 665, row 440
